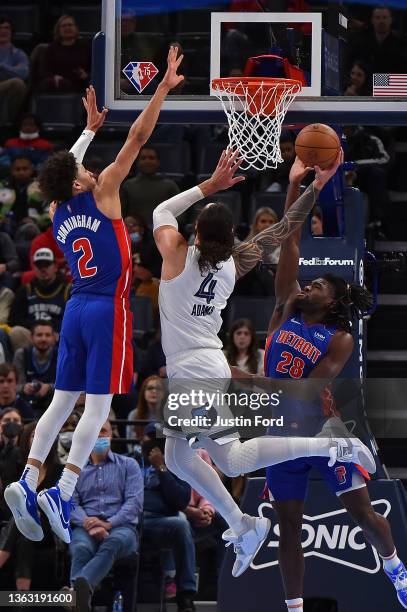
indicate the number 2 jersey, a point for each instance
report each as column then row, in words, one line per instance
column 292, row 352
column 95, row 351
column 191, row 306
column 97, row 249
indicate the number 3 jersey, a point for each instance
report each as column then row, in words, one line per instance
column 96, row 248
column 191, row 306
column 292, row 352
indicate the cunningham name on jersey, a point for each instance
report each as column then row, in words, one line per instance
column 75, row 221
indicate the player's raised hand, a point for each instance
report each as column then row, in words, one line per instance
column 224, row 174
column 95, row 119
column 323, row 176
column 298, row 171
column 171, row 78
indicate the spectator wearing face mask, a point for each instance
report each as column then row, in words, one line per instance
column 9, row 397
column 147, row 260
column 66, row 435
column 108, row 503
column 36, row 367
column 10, row 460
column 29, row 141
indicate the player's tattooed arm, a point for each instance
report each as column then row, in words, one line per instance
column 247, row 254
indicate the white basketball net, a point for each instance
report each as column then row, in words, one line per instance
column 252, row 131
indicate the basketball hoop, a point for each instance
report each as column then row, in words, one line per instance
column 255, row 108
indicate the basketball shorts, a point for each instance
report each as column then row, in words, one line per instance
column 196, row 404
column 289, row 480
column 95, row 348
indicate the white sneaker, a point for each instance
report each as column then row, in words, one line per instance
column 247, row 543
column 351, row 450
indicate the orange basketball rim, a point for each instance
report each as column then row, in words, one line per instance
column 255, row 108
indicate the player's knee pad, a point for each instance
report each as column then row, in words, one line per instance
column 232, row 459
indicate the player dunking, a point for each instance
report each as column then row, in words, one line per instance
column 95, row 352
column 316, row 317
column 196, row 283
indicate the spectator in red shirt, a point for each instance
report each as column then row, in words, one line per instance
column 29, row 142
column 67, row 60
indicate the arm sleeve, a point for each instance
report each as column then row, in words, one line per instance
column 133, row 497
column 167, row 211
column 81, row 145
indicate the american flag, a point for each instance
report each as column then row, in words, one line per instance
column 390, row 84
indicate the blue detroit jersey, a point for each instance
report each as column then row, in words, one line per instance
column 95, row 350
column 295, row 348
column 96, row 248
column 292, row 352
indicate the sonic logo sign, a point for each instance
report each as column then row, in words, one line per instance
column 331, row 536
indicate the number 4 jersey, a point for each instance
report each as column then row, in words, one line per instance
column 96, row 248
column 191, row 306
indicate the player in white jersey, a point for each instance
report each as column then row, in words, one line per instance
column 196, row 283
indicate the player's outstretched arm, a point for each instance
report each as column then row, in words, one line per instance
column 248, row 253
column 112, row 177
column 286, row 284
column 169, row 241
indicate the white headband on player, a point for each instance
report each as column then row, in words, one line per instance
column 167, row 211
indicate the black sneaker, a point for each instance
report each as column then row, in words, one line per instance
column 185, row 602
column 83, row 595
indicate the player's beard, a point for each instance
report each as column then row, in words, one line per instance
column 305, row 305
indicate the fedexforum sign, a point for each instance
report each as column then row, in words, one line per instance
column 326, row 261
column 332, row 536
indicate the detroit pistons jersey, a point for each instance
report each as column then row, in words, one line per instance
column 95, row 352
column 96, row 248
column 191, row 306
column 292, row 352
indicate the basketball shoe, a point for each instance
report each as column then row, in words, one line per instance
column 22, row 502
column 58, row 512
column 248, row 542
column 399, row 578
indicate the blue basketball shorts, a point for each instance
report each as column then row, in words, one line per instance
column 289, row 480
column 95, row 349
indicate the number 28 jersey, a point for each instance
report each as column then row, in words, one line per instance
column 96, row 248
column 191, row 306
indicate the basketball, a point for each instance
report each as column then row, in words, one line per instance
column 317, row 145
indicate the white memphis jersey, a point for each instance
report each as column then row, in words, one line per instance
column 191, row 306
